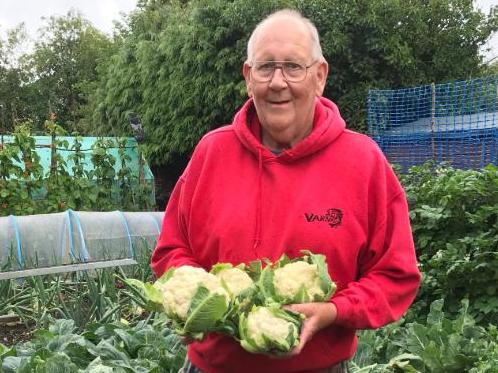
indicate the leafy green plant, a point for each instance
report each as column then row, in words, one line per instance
column 146, row 347
column 449, row 345
column 84, row 297
column 179, row 62
column 82, row 195
column 25, row 189
column 124, row 175
column 439, row 344
column 454, row 216
column 103, row 173
column 58, row 182
column 9, row 187
column 18, row 196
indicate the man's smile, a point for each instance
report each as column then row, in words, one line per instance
column 278, row 103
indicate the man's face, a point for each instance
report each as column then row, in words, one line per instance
column 285, row 109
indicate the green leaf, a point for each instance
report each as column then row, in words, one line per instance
column 205, row 311
column 60, row 363
column 218, row 267
column 149, row 291
column 265, row 284
column 108, row 352
column 62, row 327
column 12, row 363
column 99, row 151
column 131, row 343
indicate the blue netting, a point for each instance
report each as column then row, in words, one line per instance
column 455, row 122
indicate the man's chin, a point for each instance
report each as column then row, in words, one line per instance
column 278, row 126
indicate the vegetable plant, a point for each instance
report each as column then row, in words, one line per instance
column 300, row 280
column 270, row 330
column 240, row 301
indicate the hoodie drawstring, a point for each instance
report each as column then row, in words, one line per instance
column 259, row 202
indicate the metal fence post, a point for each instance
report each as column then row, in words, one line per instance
column 433, row 120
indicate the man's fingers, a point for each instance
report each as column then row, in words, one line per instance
column 306, row 334
column 295, row 308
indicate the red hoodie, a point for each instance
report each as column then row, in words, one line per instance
column 334, row 193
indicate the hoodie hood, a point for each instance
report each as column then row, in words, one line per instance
column 328, row 125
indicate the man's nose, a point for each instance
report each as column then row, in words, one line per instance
column 278, row 80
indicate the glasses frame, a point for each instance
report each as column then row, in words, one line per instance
column 279, row 65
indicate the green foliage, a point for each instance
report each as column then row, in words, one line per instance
column 454, row 215
column 12, row 78
column 25, row 189
column 82, row 193
column 180, row 69
column 112, row 347
column 103, row 171
column 439, row 344
column 83, row 296
column 63, row 67
column 455, row 222
column 392, row 43
column 180, row 65
column 57, row 77
column 17, row 195
column 492, row 69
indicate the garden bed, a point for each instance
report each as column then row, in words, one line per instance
column 12, row 333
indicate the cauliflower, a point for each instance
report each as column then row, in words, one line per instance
column 179, row 290
column 289, row 279
column 300, row 280
column 193, row 299
column 235, row 279
column 263, row 322
column 269, row 330
column 242, row 301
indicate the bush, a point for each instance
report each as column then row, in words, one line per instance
column 454, row 215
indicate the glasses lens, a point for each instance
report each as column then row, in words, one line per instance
column 264, row 70
column 294, row 71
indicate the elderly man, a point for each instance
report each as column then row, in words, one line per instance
column 285, row 176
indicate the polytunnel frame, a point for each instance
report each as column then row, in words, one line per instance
column 66, row 268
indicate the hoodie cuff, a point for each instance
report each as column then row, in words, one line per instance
column 345, row 311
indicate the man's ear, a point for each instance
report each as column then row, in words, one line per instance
column 246, row 71
column 322, row 71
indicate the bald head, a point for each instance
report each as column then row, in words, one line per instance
column 287, row 16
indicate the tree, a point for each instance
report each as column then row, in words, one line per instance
column 63, row 68
column 180, row 66
column 12, row 75
column 180, row 70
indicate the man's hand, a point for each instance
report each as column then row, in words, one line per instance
column 319, row 315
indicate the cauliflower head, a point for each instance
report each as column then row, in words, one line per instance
column 300, row 280
column 289, row 280
column 270, row 330
column 262, row 322
column 236, row 280
column 181, row 287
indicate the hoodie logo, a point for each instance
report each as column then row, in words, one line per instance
column 333, row 217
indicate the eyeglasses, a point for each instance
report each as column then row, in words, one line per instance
column 263, row 71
